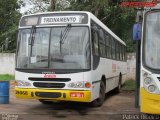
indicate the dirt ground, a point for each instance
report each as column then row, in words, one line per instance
column 116, row 107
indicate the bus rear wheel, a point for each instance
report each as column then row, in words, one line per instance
column 98, row 102
column 118, row 88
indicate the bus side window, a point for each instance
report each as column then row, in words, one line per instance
column 117, row 51
column 113, row 48
column 108, row 45
column 95, row 42
column 125, row 55
column 102, row 43
column 121, row 52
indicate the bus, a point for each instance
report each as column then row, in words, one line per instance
column 149, row 34
column 68, row 56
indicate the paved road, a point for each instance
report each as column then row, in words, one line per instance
column 116, row 107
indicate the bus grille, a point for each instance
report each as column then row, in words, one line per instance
column 49, row 85
column 48, row 94
column 50, row 79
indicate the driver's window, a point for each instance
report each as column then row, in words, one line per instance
column 95, row 41
column 24, row 43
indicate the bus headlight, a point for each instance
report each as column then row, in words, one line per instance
column 79, row 84
column 152, row 88
column 149, row 84
column 76, row 85
column 145, row 74
column 148, row 80
column 22, row 83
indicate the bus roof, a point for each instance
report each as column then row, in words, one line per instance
column 90, row 15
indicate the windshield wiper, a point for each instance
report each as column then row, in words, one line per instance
column 32, row 35
column 31, row 40
column 64, row 35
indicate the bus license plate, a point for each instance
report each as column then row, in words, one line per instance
column 77, row 95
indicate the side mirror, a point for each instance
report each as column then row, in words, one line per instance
column 137, row 32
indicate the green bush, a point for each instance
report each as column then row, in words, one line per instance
column 129, row 85
column 6, row 77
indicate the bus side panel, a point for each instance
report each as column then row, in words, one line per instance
column 111, row 69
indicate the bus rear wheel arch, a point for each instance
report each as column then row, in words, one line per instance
column 118, row 88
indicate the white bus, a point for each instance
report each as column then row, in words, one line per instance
column 149, row 60
column 68, row 56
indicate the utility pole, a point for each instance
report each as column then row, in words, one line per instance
column 138, row 54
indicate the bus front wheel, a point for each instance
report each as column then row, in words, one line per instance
column 98, row 102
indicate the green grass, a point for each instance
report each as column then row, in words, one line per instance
column 6, row 77
column 129, row 85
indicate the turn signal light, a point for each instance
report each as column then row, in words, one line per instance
column 87, row 85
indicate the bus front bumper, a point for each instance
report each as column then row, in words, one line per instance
column 150, row 103
column 51, row 95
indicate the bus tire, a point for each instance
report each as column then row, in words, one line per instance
column 118, row 88
column 45, row 102
column 98, row 102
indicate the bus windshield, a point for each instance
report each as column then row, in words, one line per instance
column 152, row 40
column 54, row 48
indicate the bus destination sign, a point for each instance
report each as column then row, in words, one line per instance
column 61, row 19
column 54, row 19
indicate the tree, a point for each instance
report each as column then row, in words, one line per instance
column 119, row 20
column 46, row 5
column 36, row 6
column 53, row 5
column 62, row 5
column 94, row 6
column 99, row 5
column 9, row 19
column 58, row 5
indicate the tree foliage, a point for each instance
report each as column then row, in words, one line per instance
column 119, row 20
column 47, row 5
column 37, row 6
column 94, row 6
column 8, row 24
